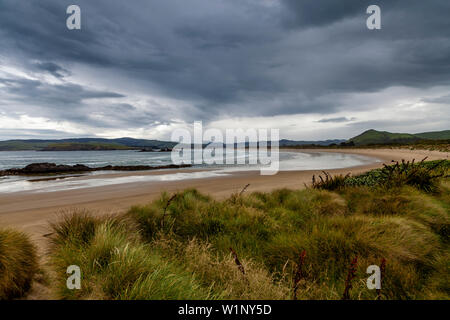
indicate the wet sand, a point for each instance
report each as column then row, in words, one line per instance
column 31, row 212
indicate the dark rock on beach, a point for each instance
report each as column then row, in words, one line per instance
column 44, row 168
column 52, row 168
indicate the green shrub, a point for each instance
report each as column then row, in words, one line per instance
column 329, row 182
column 424, row 176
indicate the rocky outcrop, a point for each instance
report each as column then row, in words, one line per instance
column 52, row 168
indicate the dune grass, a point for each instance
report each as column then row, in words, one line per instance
column 184, row 246
column 18, row 264
column 115, row 264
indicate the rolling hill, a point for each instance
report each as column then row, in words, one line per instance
column 435, row 135
column 383, row 137
column 369, row 137
column 82, row 144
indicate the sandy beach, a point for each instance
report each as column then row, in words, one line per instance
column 31, row 212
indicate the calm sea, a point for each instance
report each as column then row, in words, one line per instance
column 19, row 159
column 288, row 160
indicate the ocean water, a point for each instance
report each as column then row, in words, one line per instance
column 19, row 159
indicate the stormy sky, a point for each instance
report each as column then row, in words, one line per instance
column 142, row 68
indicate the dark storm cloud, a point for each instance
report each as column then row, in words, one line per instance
column 233, row 58
column 72, row 102
column 57, row 102
column 38, row 92
column 52, row 68
column 403, row 18
column 314, row 13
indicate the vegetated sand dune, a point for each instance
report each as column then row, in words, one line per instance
column 313, row 243
column 31, row 212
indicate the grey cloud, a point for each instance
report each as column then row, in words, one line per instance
column 313, row 13
column 39, row 92
column 58, row 102
column 52, row 68
column 72, row 102
column 440, row 100
column 21, row 133
column 339, row 119
column 224, row 58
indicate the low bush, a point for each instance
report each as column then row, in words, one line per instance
column 424, row 176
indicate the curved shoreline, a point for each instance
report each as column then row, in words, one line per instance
column 50, row 177
column 32, row 211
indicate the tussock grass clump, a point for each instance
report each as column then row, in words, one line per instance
column 115, row 264
column 78, row 226
column 430, row 210
column 221, row 273
column 18, row 264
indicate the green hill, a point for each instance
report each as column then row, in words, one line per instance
column 435, row 135
column 368, row 137
column 89, row 146
column 383, row 137
column 82, row 144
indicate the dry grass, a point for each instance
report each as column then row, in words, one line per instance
column 138, row 257
column 114, row 263
column 18, row 264
column 223, row 275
